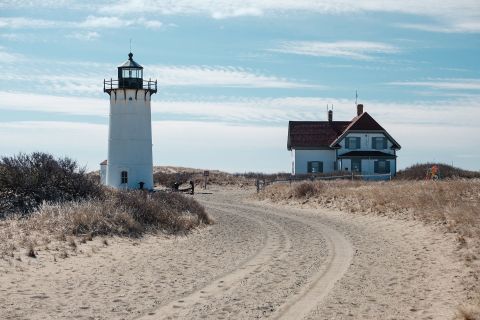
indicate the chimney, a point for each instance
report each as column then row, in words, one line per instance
column 359, row 109
column 330, row 116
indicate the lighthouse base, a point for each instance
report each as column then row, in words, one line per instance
column 130, row 177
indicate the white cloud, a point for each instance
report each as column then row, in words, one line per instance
column 53, row 104
column 84, row 77
column 22, row 22
column 7, row 57
column 84, row 36
column 446, row 15
column 448, row 84
column 95, row 22
column 237, row 12
column 263, row 111
column 219, row 76
column 84, row 142
column 220, row 146
column 90, row 22
column 459, row 27
column 360, row 50
column 450, row 14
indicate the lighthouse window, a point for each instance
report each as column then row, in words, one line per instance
column 124, row 177
column 131, row 73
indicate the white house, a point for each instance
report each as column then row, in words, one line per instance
column 129, row 164
column 360, row 145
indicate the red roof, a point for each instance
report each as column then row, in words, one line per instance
column 314, row 134
column 324, row 134
column 364, row 122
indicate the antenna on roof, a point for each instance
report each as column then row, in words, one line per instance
column 356, row 97
column 130, row 44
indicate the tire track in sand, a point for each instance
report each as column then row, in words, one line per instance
column 337, row 263
column 276, row 244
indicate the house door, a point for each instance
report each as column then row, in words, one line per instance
column 357, row 165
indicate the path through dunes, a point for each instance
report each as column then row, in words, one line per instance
column 258, row 261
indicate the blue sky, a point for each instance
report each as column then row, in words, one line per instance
column 232, row 74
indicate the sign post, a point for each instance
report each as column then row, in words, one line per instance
column 206, row 173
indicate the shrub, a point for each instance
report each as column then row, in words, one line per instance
column 419, row 171
column 123, row 213
column 28, row 180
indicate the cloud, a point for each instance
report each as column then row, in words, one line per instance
column 22, row 22
column 218, row 76
column 53, row 104
column 86, row 78
column 7, row 57
column 85, row 36
column 459, row 27
column 448, row 14
column 261, row 111
column 95, row 22
column 448, row 84
column 84, row 142
column 90, row 22
column 358, row 50
column 238, row 12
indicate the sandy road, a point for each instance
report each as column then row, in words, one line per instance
column 258, row 261
column 295, row 266
column 315, row 264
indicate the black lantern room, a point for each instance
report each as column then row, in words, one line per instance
column 130, row 76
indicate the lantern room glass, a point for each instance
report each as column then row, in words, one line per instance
column 132, row 73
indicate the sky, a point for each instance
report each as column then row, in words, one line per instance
column 231, row 74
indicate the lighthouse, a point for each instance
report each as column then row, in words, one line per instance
column 129, row 164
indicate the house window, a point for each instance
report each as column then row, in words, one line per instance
column 379, row 143
column 382, row 166
column 357, row 165
column 124, row 177
column 352, row 143
column 314, row 166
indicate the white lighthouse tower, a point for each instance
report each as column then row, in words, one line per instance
column 130, row 164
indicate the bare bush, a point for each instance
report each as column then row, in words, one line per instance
column 26, row 181
column 305, row 189
column 419, row 172
column 121, row 213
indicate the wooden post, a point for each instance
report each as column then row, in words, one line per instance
column 352, row 175
column 206, row 173
column 257, row 184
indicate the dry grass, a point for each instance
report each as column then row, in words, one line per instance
column 454, row 203
column 119, row 213
column 167, row 176
column 451, row 204
column 419, row 171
